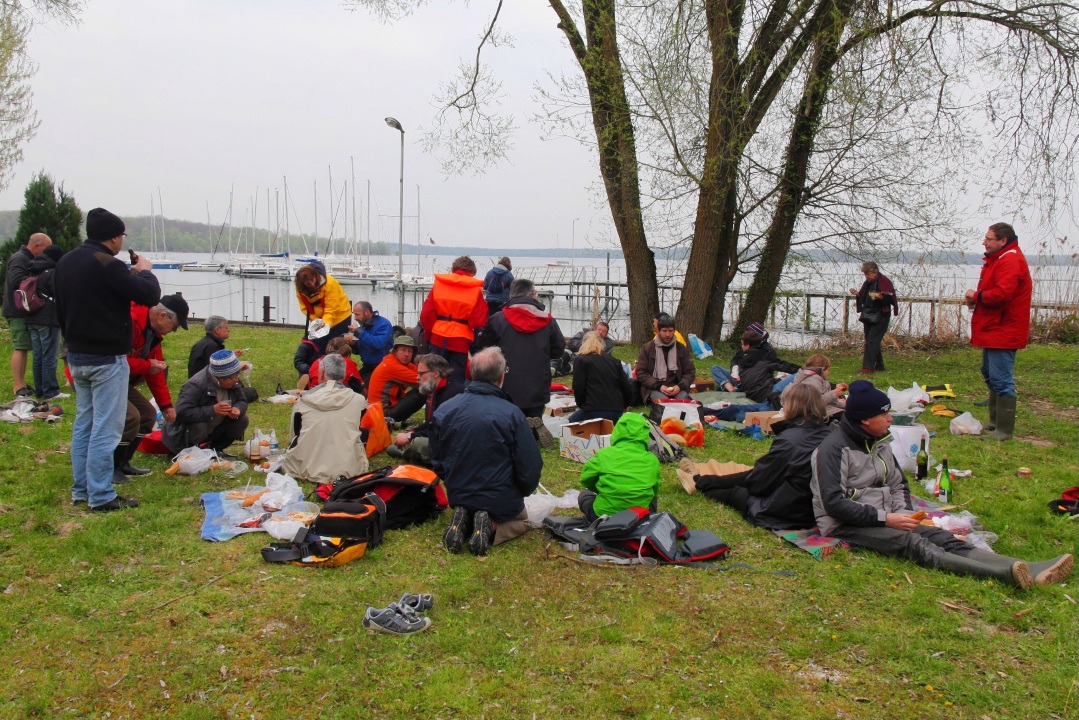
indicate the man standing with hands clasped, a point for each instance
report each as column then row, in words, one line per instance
column 1000, row 324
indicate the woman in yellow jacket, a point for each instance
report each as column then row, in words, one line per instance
column 322, row 298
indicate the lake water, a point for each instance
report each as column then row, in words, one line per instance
column 242, row 298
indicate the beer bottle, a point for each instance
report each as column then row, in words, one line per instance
column 945, row 494
column 923, row 462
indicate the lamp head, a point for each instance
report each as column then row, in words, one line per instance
column 392, row 122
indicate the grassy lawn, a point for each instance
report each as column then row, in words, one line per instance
column 131, row 615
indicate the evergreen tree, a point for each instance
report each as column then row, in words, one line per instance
column 48, row 210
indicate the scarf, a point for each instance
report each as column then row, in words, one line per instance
column 663, row 371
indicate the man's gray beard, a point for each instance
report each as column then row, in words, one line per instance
column 428, row 386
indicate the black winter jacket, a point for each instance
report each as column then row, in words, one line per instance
column 44, row 267
column 779, row 483
column 201, row 351
column 599, row 385
column 94, row 292
column 530, row 338
column 18, row 267
column 484, row 450
column 757, row 367
column 196, row 405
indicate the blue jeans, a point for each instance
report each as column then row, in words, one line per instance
column 722, row 376
column 100, row 408
column 737, row 413
column 778, row 387
column 45, row 347
column 998, row 367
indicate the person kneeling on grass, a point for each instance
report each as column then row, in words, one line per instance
column 211, row 410
column 622, row 475
column 483, row 448
column 775, row 493
column 861, row 495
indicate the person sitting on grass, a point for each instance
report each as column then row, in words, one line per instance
column 353, row 379
column 861, row 496
column 664, row 367
column 600, row 386
column 413, row 445
column 815, row 374
column 307, row 352
column 753, row 370
column 623, row 475
column 394, row 382
column 484, row 450
column 325, row 428
column 775, row 493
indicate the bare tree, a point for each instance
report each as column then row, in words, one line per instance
column 768, row 124
column 18, row 120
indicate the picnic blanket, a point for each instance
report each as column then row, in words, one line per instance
column 223, row 516
column 821, row 546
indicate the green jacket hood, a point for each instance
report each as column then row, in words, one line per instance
column 631, row 427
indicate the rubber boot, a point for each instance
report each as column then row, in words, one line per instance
column 1008, row 570
column 983, row 403
column 1005, row 418
column 992, row 424
column 1047, row 572
column 122, row 462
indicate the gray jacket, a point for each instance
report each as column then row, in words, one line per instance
column 856, row 480
column 196, row 405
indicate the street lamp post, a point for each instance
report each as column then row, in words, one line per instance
column 392, row 122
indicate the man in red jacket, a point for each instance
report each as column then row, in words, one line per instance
column 1000, row 324
column 149, row 326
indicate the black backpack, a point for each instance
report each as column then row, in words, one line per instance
column 660, row 446
column 412, row 494
column 638, row 533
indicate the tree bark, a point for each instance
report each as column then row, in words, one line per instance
column 601, row 63
column 792, row 187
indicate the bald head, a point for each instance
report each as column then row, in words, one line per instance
column 37, row 243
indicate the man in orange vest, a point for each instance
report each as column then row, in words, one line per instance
column 452, row 313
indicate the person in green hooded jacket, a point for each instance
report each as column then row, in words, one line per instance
column 623, row 475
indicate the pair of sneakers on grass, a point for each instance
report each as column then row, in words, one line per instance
column 404, row 617
column 477, row 529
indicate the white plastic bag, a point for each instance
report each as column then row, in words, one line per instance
column 282, row 530
column 194, row 460
column 282, row 491
column 542, row 502
column 906, row 441
column 903, row 400
column 318, row 329
column 965, row 424
column 960, row 523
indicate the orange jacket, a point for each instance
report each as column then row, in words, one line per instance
column 453, row 311
column 390, row 381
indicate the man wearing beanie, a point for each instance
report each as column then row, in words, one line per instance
column 149, row 326
column 94, row 292
column 861, row 495
column 211, row 410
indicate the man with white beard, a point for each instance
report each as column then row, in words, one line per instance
column 433, row 371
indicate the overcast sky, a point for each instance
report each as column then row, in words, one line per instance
column 197, row 97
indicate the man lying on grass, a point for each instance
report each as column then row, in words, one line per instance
column 861, row 495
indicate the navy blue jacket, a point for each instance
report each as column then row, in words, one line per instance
column 496, row 284
column 484, row 450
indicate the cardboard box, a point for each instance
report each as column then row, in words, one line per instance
column 582, row 440
column 703, row 385
column 762, row 418
column 560, row 405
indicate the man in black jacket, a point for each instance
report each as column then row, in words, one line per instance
column 18, row 269
column 94, row 292
column 483, row 449
column 434, row 372
column 217, row 332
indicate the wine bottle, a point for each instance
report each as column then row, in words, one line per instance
column 923, row 462
column 945, row 494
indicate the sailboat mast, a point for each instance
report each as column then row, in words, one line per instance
column 352, row 162
column 418, row 272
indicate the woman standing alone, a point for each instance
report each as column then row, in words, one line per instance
column 874, row 302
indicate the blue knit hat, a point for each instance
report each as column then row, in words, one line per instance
column 865, row 401
column 224, row 364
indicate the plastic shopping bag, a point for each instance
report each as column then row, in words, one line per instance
column 965, row 424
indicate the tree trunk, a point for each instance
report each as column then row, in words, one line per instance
column 714, row 233
column 602, row 67
column 795, row 170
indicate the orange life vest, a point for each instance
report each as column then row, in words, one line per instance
column 455, row 297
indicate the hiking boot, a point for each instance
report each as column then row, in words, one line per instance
column 460, row 527
column 392, row 622
column 117, row 503
column 24, row 392
column 1052, row 571
column 543, row 435
column 118, row 478
column 483, row 531
column 419, row 603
